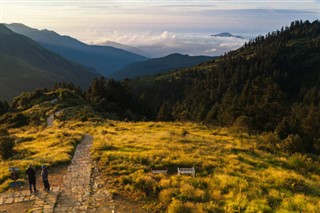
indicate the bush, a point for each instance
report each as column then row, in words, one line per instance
column 6, row 147
column 271, row 140
column 242, row 124
column 145, row 183
column 4, row 132
column 15, row 120
column 184, row 132
column 293, row 143
column 167, row 195
column 177, row 206
column 303, row 163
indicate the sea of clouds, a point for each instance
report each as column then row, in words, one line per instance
column 160, row 44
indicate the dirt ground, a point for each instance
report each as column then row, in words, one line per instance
column 55, row 178
column 124, row 205
column 15, row 208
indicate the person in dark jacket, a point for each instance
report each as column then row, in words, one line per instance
column 32, row 178
column 45, row 180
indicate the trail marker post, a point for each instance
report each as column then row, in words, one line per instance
column 14, row 176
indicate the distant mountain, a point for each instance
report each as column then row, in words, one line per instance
column 26, row 65
column 123, row 47
column 104, row 59
column 159, row 65
column 226, row 34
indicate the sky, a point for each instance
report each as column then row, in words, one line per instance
column 160, row 27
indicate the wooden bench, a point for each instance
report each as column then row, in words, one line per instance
column 187, row 171
column 159, row 171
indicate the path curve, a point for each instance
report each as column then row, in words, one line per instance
column 50, row 119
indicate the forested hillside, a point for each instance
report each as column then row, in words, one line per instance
column 270, row 84
column 159, row 65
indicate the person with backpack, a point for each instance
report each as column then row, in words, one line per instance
column 32, row 178
column 45, row 180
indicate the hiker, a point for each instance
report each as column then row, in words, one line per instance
column 45, row 180
column 32, row 178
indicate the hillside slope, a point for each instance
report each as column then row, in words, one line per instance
column 234, row 171
column 104, row 59
column 158, row 65
column 270, row 84
column 26, row 65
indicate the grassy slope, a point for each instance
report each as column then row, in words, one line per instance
column 52, row 146
column 233, row 174
column 38, row 144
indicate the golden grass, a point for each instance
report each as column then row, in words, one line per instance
column 232, row 174
column 37, row 145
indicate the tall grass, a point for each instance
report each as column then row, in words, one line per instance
column 234, row 172
column 233, row 175
column 37, row 145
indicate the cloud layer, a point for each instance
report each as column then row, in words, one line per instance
column 164, row 43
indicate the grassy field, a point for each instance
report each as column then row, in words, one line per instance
column 233, row 172
column 38, row 145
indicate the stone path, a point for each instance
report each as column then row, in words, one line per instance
column 82, row 188
column 42, row 201
column 77, row 183
column 50, row 119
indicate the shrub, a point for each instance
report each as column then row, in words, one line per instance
column 316, row 146
column 190, row 193
column 271, row 140
column 6, row 147
column 167, row 195
column 4, row 132
column 293, row 143
column 15, row 120
column 303, row 163
column 145, row 183
column 242, row 124
column 177, row 206
column 184, row 132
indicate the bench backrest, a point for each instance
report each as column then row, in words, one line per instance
column 187, row 171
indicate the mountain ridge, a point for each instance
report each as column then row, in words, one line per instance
column 159, row 65
column 104, row 59
column 26, row 65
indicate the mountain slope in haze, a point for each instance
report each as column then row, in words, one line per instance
column 159, row 65
column 270, row 84
column 26, row 65
column 123, row 47
column 104, row 59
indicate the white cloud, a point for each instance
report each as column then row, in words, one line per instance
column 164, row 43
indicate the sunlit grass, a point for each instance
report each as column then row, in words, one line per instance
column 38, row 145
column 233, row 175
